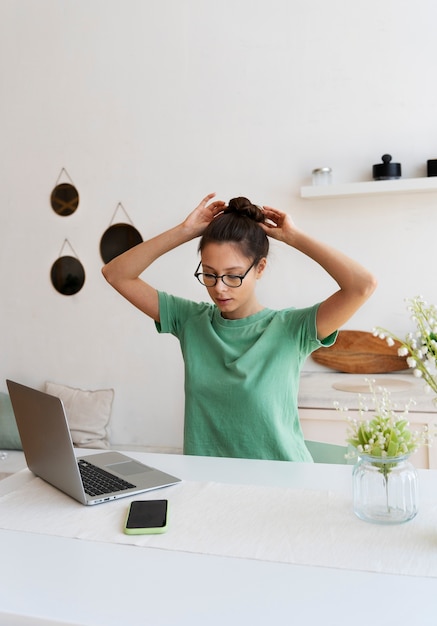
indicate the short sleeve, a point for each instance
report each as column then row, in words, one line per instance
column 174, row 313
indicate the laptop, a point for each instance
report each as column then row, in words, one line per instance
column 48, row 448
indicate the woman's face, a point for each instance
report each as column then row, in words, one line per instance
column 227, row 258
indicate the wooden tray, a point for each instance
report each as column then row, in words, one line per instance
column 359, row 352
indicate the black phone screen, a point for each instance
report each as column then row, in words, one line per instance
column 147, row 514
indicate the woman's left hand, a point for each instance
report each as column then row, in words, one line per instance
column 278, row 225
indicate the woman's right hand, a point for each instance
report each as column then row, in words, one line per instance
column 203, row 214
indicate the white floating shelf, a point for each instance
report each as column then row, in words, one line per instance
column 400, row 185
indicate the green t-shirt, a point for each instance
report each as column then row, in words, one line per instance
column 242, row 378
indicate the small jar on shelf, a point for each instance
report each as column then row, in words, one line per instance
column 322, row 176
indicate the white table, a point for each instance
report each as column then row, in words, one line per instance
column 56, row 580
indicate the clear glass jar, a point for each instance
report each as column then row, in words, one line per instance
column 322, row 176
column 385, row 489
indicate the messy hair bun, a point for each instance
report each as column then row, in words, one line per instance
column 239, row 223
column 243, row 206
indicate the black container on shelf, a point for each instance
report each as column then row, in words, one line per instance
column 386, row 170
column 431, row 167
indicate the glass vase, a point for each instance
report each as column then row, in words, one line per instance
column 385, row 490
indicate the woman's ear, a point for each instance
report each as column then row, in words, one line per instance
column 260, row 268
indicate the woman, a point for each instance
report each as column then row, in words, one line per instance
column 242, row 360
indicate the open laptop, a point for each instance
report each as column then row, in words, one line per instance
column 48, row 448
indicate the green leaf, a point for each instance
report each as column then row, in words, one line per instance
column 363, row 435
column 393, row 448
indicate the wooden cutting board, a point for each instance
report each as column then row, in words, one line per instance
column 359, row 352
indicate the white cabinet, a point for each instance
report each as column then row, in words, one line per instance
column 322, row 422
column 329, row 426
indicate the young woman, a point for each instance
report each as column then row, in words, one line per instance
column 242, row 360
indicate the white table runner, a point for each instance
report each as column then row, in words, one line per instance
column 272, row 524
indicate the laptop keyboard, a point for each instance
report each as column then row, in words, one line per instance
column 97, row 482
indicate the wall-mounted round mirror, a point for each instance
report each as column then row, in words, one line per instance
column 117, row 239
column 68, row 275
column 64, row 199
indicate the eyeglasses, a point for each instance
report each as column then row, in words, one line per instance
column 230, row 280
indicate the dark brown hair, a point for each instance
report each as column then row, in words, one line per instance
column 239, row 223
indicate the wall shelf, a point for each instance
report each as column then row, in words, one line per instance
column 373, row 187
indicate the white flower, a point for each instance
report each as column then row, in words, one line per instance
column 390, row 342
column 419, row 345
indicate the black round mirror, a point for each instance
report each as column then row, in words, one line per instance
column 117, row 239
column 64, row 199
column 68, row 275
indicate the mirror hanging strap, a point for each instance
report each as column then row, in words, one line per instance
column 118, row 208
column 63, row 172
column 67, row 243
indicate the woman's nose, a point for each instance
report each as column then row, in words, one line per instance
column 220, row 286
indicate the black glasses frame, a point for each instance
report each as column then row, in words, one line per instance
column 199, row 275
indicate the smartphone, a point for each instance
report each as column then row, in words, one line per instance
column 146, row 517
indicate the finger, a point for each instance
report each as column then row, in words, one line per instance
column 271, row 210
column 217, row 206
column 269, row 228
column 207, row 198
column 270, row 223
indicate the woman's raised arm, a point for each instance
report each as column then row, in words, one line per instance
column 124, row 271
column 356, row 283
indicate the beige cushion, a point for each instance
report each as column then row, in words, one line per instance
column 88, row 414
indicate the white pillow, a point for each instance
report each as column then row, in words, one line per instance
column 88, row 414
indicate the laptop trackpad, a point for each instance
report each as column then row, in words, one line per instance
column 128, row 468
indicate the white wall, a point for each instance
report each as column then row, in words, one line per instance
column 154, row 103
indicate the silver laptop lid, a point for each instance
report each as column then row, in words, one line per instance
column 46, row 438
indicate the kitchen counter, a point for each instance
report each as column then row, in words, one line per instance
column 321, row 389
column 321, row 421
